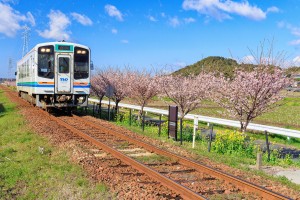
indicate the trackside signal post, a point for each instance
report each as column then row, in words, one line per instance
column 172, row 122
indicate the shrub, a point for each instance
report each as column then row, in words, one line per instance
column 233, row 142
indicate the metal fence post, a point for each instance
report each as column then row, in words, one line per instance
column 143, row 121
column 210, row 137
column 195, row 130
column 100, row 110
column 159, row 126
column 180, row 131
column 109, row 109
column 130, row 117
column 268, row 145
column 94, row 109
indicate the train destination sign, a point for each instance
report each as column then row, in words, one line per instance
column 60, row 47
column 64, row 48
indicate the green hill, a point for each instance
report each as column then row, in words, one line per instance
column 226, row 66
column 213, row 64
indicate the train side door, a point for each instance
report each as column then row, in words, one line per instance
column 63, row 75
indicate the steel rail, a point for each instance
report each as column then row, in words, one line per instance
column 247, row 186
column 173, row 185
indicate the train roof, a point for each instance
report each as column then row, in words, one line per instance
column 60, row 42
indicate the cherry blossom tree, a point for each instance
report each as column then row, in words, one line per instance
column 187, row 92
column 250, row 94
column 118, row 81
column 143, row 87
column 98, row 85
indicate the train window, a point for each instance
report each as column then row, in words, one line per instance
column 81, row 63
column 63, row 65
column 46, row 62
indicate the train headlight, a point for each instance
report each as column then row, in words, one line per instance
column 48, row 50
column 81, row 52
column 43, row 50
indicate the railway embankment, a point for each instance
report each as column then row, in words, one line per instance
column 111, row 174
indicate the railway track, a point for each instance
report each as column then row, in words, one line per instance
column 189, row 179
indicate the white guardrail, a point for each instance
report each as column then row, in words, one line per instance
column 226, row 122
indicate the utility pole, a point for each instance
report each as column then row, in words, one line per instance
column 10, row 67
column 25, row 40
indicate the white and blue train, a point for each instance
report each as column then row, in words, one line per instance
column 55, row 74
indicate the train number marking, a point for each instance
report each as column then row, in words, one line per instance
column 64, row 79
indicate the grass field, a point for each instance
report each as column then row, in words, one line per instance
column 30, row 168
column 287, row 115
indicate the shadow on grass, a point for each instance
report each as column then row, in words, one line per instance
column 2, row 110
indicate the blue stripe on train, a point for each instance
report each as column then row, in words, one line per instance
column 37, row 85
column 33, row 85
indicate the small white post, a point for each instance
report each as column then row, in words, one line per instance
column 195, row 130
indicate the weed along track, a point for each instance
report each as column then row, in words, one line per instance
column 142, row 170
column 191, row 180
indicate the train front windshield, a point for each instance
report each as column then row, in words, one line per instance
column 46, row 62
column 81, row 63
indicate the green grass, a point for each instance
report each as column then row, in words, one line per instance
column 31, row 168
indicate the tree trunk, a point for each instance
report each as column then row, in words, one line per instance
column 117, row 105
column 141, row 112
column 100, row 101
column 244, row 126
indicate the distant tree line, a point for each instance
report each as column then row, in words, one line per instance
column 7, row 79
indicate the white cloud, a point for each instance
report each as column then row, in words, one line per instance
column 10, row 20
column 113, row 12
column 249, row 59
column 189, row 20
column 30, row 19
column 151, row 18
column 281, row 24
column 294, row 30
column 114, row 31
column 221, row 9
column 273, row 9
column 124, row 41
column 58, row 25
column 295, row 42
column 174, row 21
column 10, row 1
column 82, row 19
column 296, row 60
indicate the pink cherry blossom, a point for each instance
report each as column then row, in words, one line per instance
column 250, row 94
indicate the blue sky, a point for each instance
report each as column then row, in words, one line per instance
column 151, row 34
